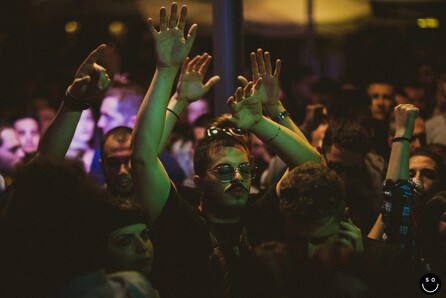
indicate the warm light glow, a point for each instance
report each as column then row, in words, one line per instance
column 72, row 27
column 428, row 23
column 116, row 28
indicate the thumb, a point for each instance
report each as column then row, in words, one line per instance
column 79, row 85
column 211, row 82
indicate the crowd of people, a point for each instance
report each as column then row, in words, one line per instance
column 172, row 201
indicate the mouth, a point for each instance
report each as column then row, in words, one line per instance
column 145, row 261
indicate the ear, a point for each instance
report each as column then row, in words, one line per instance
column 198, row 182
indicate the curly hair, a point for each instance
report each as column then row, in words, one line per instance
column 311, row 192
column 347, row 134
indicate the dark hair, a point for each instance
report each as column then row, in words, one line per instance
column 25, row 116
column 311, row 192
column 347, row 134
column 54, row 225
column 437, row 153
column 210, row 145
column 122, row 213
column 223, row 121
column 119, row 132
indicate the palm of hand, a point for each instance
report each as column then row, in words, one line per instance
column 269, row 90
column 171, row 47
column 248, row 111
column 191, row 87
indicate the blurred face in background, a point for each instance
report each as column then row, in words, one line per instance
column 11, row 152
column 85, row 128
column 29, row 135
column 110, row 115
column 381, row 96
column 196, row 109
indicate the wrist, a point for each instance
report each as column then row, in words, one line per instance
column 74, row 103
column 273, row 109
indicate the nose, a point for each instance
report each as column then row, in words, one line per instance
column 141, row 245
column 123, row 169
column 418, row 175
column 237, row 176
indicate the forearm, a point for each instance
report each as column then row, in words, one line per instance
column 177, row 106
column 56, row 140
column 273, row 111
column 399, row 161
column 149, row 124
column 292, row 148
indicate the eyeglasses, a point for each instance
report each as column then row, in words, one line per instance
column 227, row 172
column 232, row 131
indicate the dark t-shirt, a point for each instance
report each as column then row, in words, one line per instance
column 183, row 245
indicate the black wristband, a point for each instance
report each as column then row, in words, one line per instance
column 74, row 103
column 400, row 139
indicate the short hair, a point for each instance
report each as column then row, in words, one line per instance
column 311, row 192
column 129, row 96
column 210, row 145
column 437, row 153
column 25, row 116
column 223, row 121
column 347, row 134
column 117, row 132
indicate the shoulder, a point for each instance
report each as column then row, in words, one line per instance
column 132, row 283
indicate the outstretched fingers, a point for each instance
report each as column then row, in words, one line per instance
column 183, row 15
column 163, row 19
column 261, row 61
column 173, row 15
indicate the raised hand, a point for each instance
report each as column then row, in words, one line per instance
column 190, row 84
column 245, row 105
column 91, row 78
column 405, row 115
column 170, row 45
column 261, row 68
column 350, row 235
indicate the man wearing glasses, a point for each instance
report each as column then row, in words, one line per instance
column 184, row 241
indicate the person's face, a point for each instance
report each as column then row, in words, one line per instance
column 45, row 115
column 345, row 162
column 381, row 96
column 130, row 249
column 11, row 153
column 110, row 115
column 196, row 109
column 418, row 138
column 28, row 133
column 226, row 199
column 116, row 166
column 312, row 236
column 85, row 128
column 424, row 169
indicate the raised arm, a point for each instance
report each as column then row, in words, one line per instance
column 261, row 67
column 191, row 87
column 405, row 115
column 90, row 80
column 152, row 185
column 247, row 114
